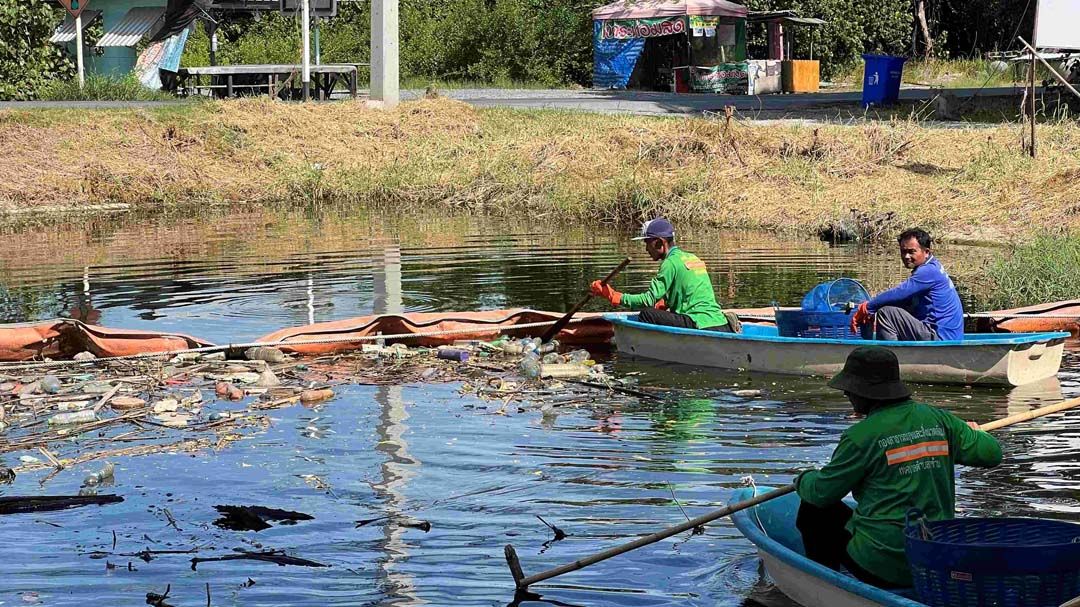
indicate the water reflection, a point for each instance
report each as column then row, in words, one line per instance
column 606, row 470
column 238, row 275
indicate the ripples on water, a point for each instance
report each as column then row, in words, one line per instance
column 613, row 470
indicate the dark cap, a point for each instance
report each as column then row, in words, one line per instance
column 656, row 228
column 871, row 372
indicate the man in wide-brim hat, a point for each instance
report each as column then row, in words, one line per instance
column 901, row 456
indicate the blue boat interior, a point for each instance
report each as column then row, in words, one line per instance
column 766, row 332
column 771, row 527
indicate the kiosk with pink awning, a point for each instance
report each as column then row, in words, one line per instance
column 681, row 45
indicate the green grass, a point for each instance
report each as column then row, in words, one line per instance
column 421, row 83
column 946, row 73
column 102, row 88
column 1043, row 269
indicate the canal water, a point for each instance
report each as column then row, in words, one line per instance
column 602, row 473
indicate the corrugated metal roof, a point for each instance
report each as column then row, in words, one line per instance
column 136, row 23
column 66, row 31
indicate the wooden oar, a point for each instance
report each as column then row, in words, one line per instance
column 558, row 326
column 523, row 582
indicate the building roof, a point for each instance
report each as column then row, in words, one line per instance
column 644, row 9
column 66, row 31
column 138, row 22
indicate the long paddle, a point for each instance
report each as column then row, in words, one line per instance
column 558, row 326
column 522, row 582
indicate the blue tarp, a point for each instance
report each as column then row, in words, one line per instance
column 613, row 59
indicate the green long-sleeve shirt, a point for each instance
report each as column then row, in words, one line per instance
column 901, row 456
column 683, row 283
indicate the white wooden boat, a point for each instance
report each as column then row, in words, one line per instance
column 770, row 526
column 1003, row 359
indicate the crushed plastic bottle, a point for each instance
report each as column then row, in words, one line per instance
column 101, row 476
column 551, row 346
column 74, row 417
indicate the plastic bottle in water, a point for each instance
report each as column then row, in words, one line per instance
column 96, row 478
column 565, row 371
column 74, row 417
column 553, row 358
column 50, row 384
column 530, row 367
column 579, row 356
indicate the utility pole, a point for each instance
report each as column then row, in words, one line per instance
column 384, row 52
column 306, row 35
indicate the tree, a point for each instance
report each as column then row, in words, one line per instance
column 27, row 59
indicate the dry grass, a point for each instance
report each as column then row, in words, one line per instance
column 874, row 176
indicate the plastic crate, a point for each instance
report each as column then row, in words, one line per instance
column 824, row 325
column 978, row 562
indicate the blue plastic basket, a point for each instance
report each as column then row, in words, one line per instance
column 977, row 562
column 826, row 325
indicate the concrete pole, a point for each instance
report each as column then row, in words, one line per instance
column 318, row 50
column 384, row 52
column 306, row 35
column 79, row 50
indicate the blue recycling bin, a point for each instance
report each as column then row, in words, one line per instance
column 881, row 79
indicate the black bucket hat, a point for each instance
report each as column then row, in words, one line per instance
column 871, row 372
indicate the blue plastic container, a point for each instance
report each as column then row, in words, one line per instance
column 881, row 79
column 826, row 311
column 975, row 562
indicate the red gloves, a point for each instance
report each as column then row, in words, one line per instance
column 861, row 316
column 660, row 305
column 600, row 289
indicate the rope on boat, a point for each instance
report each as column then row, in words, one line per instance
column 300, row 342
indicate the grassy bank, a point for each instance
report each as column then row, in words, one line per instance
column 1040, row 270
column 871, row 178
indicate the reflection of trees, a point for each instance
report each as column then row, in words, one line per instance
column 24, row 304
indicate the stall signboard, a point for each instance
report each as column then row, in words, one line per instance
column 733, row 78
column 621, row 29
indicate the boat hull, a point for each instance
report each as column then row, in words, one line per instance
column 1003, row 360
column 770, row 526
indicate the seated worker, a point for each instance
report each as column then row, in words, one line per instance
column 900, row 456
column 925, row 307
column 681, row 294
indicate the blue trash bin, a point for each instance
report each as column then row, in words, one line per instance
column 881, row 79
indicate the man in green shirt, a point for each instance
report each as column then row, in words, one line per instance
column 680, row 295
column 901, row 456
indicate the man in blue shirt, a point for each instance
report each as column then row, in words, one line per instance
column 925, row 307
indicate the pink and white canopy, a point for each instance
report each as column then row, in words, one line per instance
column 645, row 9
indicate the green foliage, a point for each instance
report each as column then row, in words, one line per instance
column 27, row 59
column 1041, row 270
column 101, row 88
column 854, row 27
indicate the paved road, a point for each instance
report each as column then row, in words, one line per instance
column 816, row 107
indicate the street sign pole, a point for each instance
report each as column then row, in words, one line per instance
column 306, row 35
column 79, row 50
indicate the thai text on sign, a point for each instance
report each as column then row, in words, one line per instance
column 643, row 28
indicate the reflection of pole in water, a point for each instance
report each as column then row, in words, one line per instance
column 399, row 466
column 387, row 283
column 310, row 299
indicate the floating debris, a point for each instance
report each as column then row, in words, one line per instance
column 253, row 518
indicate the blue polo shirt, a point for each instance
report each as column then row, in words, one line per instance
column 930, row 296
